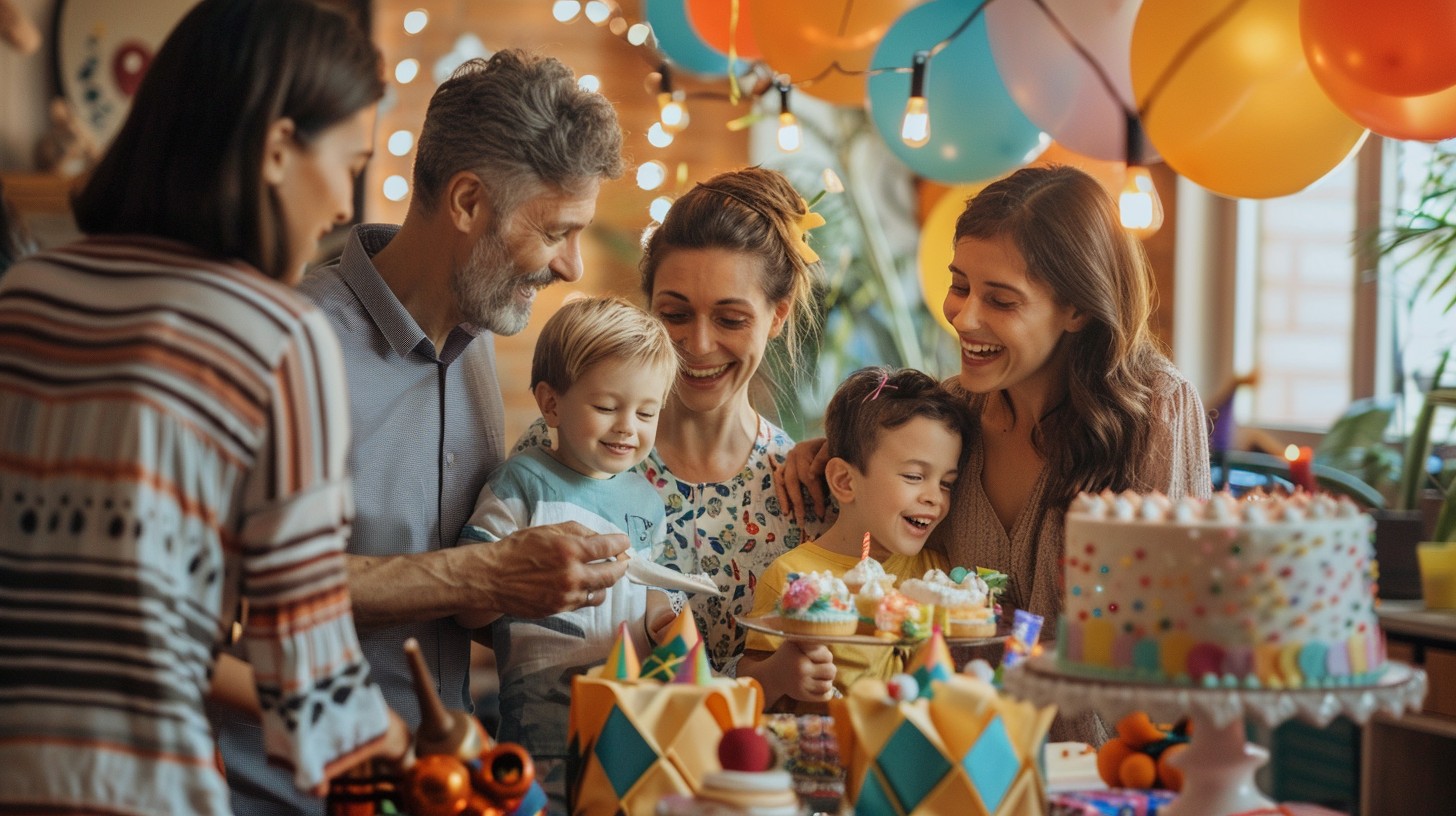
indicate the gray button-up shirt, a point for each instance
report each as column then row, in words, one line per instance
column 428, row 430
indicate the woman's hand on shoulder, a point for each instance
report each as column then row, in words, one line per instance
column 799, row 481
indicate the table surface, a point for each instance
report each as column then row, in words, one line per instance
column 1413, row 619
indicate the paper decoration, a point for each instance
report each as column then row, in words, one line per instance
column 632, row 741
column 694, row 670
column 667, row 658
column 622, row 661
column 931, row 662
column 965, row 750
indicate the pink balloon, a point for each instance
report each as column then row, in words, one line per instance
column 1057, row 88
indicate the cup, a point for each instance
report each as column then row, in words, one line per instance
column 1438, row 574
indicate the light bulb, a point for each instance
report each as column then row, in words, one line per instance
column 659, row 207
column 597, row 11
column 589, row 83
column 1139, row 206
column 396, row 188
column 671, row 113
column 651, row 175
column 565, row 10
column 400, row 142
column 406, row 71
column 915, row 127
column 637, row 34
column 790, row 136
column 657, row 135
column 415, row 21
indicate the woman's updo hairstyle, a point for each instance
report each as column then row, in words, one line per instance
column 754, row 211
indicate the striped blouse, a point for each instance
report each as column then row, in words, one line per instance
column 173, row 434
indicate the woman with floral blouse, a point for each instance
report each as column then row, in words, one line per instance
column 729, row 271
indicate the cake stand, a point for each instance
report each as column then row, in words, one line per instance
column 1218, row 766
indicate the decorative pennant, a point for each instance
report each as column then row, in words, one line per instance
column 668, row 657
column 622, row 663
column 931, row 662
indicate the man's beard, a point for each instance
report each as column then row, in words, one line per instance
column 488, row 286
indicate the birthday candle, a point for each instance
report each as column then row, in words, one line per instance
column 864, row 546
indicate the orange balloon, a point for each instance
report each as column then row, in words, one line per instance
column 711, row 19
column 1229, row 100
column 1391, row 47
column 1427, row 118
column 829, row 42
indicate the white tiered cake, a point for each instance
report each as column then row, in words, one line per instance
column 1263, row 592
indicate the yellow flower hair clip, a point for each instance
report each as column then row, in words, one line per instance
column 800, row 227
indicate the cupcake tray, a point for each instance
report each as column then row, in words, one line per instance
column 769, row 625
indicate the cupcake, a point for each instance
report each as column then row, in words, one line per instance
column 817, row 603
column 900, row 618
column 867, row 571
column 867, row 603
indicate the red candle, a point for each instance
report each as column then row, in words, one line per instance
column 1301, row 466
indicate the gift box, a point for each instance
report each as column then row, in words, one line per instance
column 634, row 738
column 1111, row 802
column 957, row 747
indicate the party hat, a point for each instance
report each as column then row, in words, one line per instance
column 931, row 662
column 622, row 663
column 664, row 661
column 694, row 670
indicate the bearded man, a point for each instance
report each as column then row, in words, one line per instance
column 506, row 176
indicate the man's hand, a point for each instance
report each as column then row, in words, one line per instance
column 540, row 571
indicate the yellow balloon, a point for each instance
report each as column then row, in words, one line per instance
column 937, row 247
column 1237, row 111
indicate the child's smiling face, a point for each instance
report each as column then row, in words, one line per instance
column 905, row 489
column 606, row 422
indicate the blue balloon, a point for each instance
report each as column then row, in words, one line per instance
column 680, row 43
column 976, row 130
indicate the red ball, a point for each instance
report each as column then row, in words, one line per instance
column 744, row 749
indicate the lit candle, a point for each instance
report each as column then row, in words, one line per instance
column 1301, row 466
column 864, row 547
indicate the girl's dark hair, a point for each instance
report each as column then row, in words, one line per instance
column 875, row 399
column 1068, row 232
column 187, row 163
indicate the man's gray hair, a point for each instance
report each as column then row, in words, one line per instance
column 520, row 123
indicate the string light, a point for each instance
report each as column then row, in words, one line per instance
column 659, row 207
column 651, row 175
column 790, row 135
column 657, row 135
column 415, row 21
column 670, row 111
column 406, row 71
column 589, row 82
column 1139, row 207
column 566, row 11
column 617, row 26
column 396, row 188
column 400, row 142
column 597, row 11
column 637, row 33
column 915, row 127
